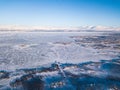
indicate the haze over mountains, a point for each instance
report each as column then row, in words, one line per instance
column 49, row 28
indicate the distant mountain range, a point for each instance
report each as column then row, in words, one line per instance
column 69, row 29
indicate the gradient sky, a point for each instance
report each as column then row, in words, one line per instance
column 60, row 12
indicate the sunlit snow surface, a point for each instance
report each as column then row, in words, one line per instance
column 59, row 60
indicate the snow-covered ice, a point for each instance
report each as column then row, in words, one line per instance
column 28, row 56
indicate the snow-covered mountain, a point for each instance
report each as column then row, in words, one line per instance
column 49, row 28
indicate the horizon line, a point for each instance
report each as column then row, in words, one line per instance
column 38, row 27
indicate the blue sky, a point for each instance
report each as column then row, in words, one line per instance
column 60, row 12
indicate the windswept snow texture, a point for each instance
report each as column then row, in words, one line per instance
column 60, row 61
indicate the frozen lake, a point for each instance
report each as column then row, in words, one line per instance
column 20, row 51
column 31, row 49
